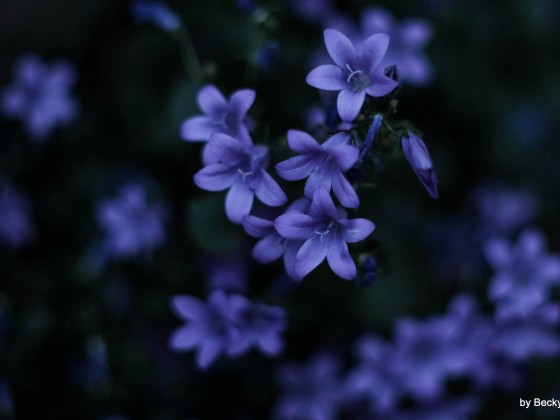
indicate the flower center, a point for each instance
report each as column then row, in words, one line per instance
column 325, row 232
column 244, row 174
column 357, row 79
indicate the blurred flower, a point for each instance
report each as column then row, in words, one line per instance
column 6, row 401
column 355, row 73
column 310, row 391
column 241, row 169
column 156, row 12
column 259, row 325
column 419, row 158
column 130, row 225
column 312, row 10
column 525, row 272
column 16, row 227
column 408, row 39
column 225, row 325
column 323, row 165
column 40, row 95
column 325, row 231
column 226, row 272
column 221, row 117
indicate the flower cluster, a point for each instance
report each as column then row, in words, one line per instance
column 229, row 325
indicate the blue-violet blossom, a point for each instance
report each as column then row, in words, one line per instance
column 40, row 95
column 240, row 167
column 323, row 165
column 356, row 71
column 325, row 230
column 16, row 228
column 158, row 13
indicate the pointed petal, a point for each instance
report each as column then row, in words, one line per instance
column 323, row 204
column 208, row 354
column 349, row 104
column 345, row 155
column 184, row 338
column 211, row 101
column 497, row 253
column 340, row 48
column 268, row 249
column 290, row 252
column 373, row 50
column 340, row 260
column 327, row 77
column 301, row 142
column 344, row 191
column 227, row 149
column 270, row 344
column 320, row 178
column 381, row 85
column 268, row 191
column 241, row 101
column 311, row 254
column 296, row 168
column 188, row 307
column 295, row 226
column 216, row 177
column 257, row 227
column 239, row 201
column 355, row 230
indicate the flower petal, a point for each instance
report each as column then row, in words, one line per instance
column 310, row 255
column 197, row 129
column 227, row 149
column 344, row 191
column 349, row 104
column 211, row 101
column 188, row 307
column 208, row 353
column 268, row 249
column 340, row 48
column 340, row 260
column 301, row 142
column 268, row 191
column 381, row 85
column 257, row 227
column 270, row 343
column 241, row 101
column 320, row 178
column 216, row 177
column 327, row 77
column 322, row 204
column 345, row 155
column 184, row 338
column 239, row 201
column 373, row 50
column 295, row 226
column 355, row 230
column 297, row 167
column 290, row 253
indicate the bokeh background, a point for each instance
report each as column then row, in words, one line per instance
column 81, row 340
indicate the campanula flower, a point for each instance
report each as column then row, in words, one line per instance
column 221, row 116
column 131, row 225
column 419, row 158
column 355, row 72
column 323, row 165
column 525, row 272
column 16, row 227
column 241, row 169
column 325, row 230
column 40, row 95
column 408, row 40
column 158, row 13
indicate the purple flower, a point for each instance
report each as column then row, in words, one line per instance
column 241, row 169
column 131, row 226
column 158, row 13
column 323, row 165
column 226, row 325
column 259, row 326
column 417, row 155
column 521, row 338
column 325, row 231
column 210, row 327
column 222, row 116
column 524, row 274
column 355, row 73
column 407, row 42
column 16, row 228
column 272, row 245
column 40, row 95
column 310, row 391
